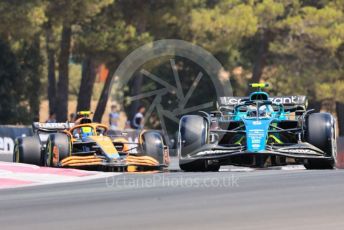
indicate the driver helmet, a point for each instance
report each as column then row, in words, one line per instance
column 262, row 111
column 86, row 132
column 252, row 111
column 265, row 110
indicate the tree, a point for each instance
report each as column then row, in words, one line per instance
column 31, row 73
column 68, row 13
column 309, row 56
column 12, row 88
column 21, row 19
column 88, row 78
column 21, row 60
column 63, row 82
column 9, row 68
column 106, row 38
column 222, row 28
column 269, row 13
column 104, row 96
column 51, row 56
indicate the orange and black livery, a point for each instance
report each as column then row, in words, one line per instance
column 86, row 144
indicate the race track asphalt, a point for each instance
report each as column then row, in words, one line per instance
column 262, row 199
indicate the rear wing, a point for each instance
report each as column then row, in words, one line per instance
column 290, row 100
column 290, row 103
column 296, row 104
column 230, row 101
column 51, row 127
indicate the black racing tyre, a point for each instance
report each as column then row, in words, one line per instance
column 320, row 132
column 28, row 150
column 58, row 147
column 320, row 164
column 153, row 145
column 193, row 134
column 198, row 166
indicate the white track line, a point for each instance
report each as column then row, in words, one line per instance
column 14, row 175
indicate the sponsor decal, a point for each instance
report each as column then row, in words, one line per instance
column 297, row 100
column 256, row 137
column 8, row 134
column 230, row 100
column 302, row 151
column 53, row 125
column 288, row 100
column 257, row 141
column 6, row 145
column 234, row 101
column 211, row 152
column 133, row 146
column 256, row 134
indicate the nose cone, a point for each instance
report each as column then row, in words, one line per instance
column 106, row 146
column 256, row 134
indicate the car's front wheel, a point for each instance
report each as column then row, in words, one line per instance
column 58, row 148
column 153, row 145
column 193, row 134
column 320, row 132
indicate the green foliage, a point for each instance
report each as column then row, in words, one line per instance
column 31, row 74
column 21, row 18
column 13, row 106
column 304, row 55
column 74, row 11
column 268, row 12
column 219, row 28
column 22, row 60
column 107, row 38
column 309, row 54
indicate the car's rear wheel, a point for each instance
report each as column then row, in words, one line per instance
column 28, row 150
column 153, row 145
column 320, row 132
column 193, row 134
column 58, row 148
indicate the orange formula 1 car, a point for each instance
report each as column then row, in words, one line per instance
column 85, row 144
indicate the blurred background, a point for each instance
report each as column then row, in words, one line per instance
column 58, row 57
